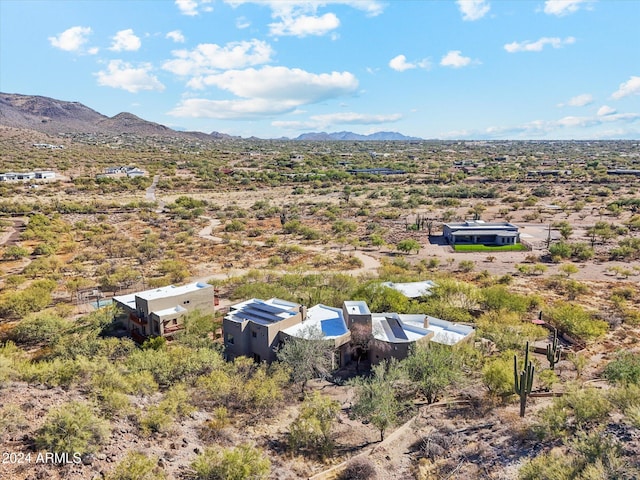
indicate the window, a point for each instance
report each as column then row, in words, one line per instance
column 230, row 339
column 254, row 334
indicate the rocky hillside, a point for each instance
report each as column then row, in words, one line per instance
column 48, row 115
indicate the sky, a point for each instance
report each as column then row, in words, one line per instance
column 466, row 69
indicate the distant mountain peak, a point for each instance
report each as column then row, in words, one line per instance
column 350, row 136
column 52, row 116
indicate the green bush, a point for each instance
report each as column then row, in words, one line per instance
column 497, row 375
column 72, row 428
column 576, row 321
column 587, row 404
column 312, row 429
column 137, row 466
column 44, row 328
column 240, row 463
column 548, row 466
column 12, row 421
column 625, row 369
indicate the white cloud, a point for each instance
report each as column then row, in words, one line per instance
column 322, row 122
column 230, row 109
column 455, row 59
column 605, row 110
column 209, row 57
column 193, row 7
column 242, row 23
column 630, row 87
column 572, row 126
column 301, row 18
column 399, row 63
column 473, row 9
column 352, row 118
column 267, row 91
column 176, row 36
column 560, row 8
column 284, row 83
column 578, row 101
column 538, row 45
column 304, row 25
column 123, row 75
column 72, row 39
column 125, row 40
column 370, row 7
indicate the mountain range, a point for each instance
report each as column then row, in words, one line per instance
column 48, row 115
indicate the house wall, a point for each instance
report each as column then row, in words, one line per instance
column 200, row 299
column 236, row 331
column 352, row 319
column 255, row 340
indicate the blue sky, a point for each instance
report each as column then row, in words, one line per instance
column 468, row 69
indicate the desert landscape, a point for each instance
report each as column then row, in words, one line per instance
column 317, row 222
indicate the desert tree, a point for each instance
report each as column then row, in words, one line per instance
column 375, row 398
column 433, row 367
column 308, row 355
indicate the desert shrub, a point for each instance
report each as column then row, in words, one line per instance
column 44, row 328
column 312, row 429
column 587, row 405
column 498, row 297
column 244, row 385
column 32, row 299
column 234, row 226
column 72, row 428
column 552, row 421
column 358, row 468
column 466, row 266
column 174, row 364
column 155, row 420
column 214, row 427
column 240, row 463
column 548, row 466
column 625, row 369
column 112, row 402
column 53, row 373
column 507, row 330
column 625, row 396
column 12, row 421
column 576, row 321
column 137, row 466
column 160, row 417
column 497, row 375
column 560, row 250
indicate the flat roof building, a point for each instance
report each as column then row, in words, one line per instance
column 480, row 232
column 160, row 311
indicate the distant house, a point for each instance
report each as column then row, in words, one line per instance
column 23, row 176
column 130, row 172
column 412, row 289
column 623, row 171
column 480, row 232
column 45, row 175
column 376, row 171
column 160, row 311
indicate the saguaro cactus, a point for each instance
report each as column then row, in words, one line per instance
column 554, row 351
column 523, row 380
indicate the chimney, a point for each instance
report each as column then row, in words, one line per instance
column 303, row 312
